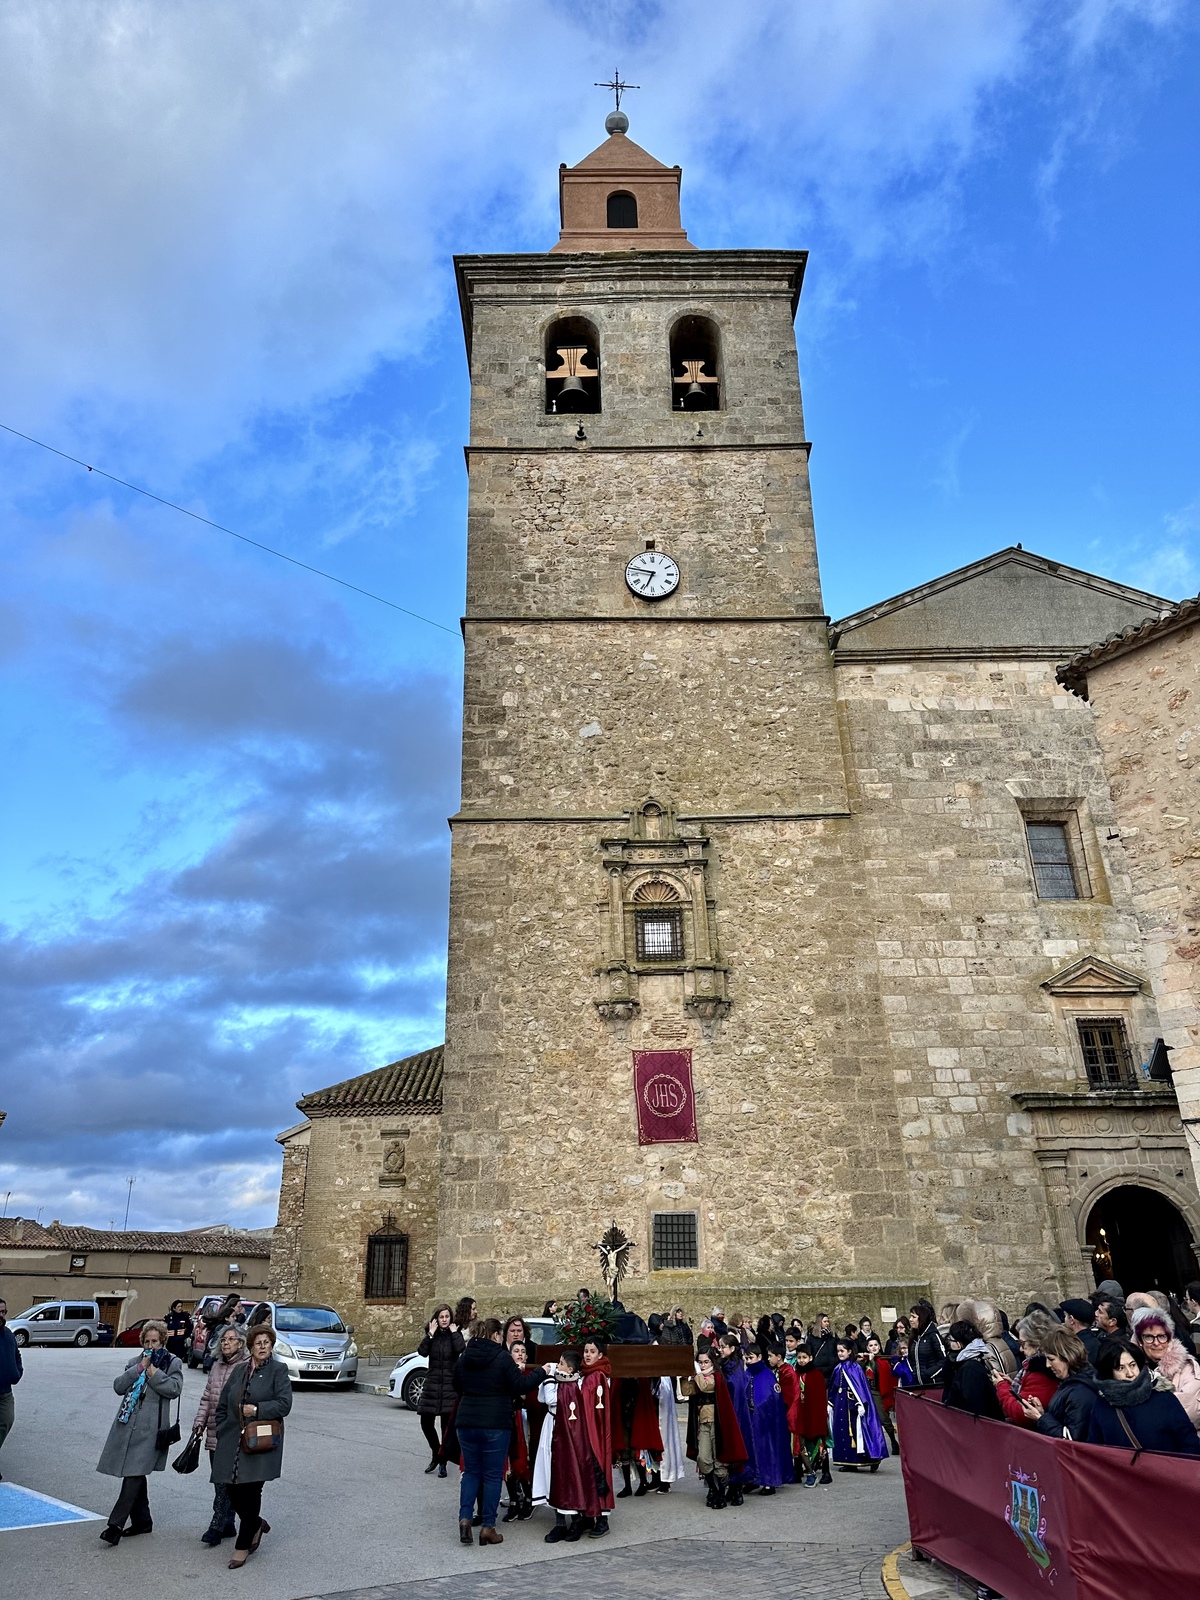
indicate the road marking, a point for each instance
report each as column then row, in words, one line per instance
column 26, row 1508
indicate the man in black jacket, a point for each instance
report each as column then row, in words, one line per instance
column 1077, row 1317
column 11, row 1372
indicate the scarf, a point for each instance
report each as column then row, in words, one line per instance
column 969, row 1351
column 130, row 1403
column 1121, row 1395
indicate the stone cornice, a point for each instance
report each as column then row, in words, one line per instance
column 586, row 447
column 1097, row 1100
column 593, row 819
column 672, row 272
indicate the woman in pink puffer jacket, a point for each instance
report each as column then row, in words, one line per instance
column 1173, row 1368
column 231, row 1354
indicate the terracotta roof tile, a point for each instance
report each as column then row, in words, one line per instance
column 199, row 1243
column 1073, row 673
column 412, row 1087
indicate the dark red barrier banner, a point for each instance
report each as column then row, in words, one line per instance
column 666, row 1106
column 1035, row 1517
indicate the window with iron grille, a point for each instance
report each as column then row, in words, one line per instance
column 387, row 1266
column 1053, row 869
column 660, row 934
column 675, row 1240
column 1105, row 1052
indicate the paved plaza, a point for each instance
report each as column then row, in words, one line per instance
column 354, row 1515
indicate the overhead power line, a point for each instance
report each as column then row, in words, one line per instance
column 233, row 534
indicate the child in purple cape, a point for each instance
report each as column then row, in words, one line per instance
column 857, row 1434
column 772, row 1444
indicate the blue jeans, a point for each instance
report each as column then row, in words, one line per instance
column 483, row 1451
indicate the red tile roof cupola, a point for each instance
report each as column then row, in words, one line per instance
column 620, row 198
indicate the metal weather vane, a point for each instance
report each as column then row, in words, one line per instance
column 617, row 87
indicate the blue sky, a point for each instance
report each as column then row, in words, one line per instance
column 226, row 276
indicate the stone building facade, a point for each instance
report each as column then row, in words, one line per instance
column 357, row 1222
column 1143, row 686
column 774, row 882
column 132, row 1273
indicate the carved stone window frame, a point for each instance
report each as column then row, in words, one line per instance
column 651, row 851
column 1089, row 990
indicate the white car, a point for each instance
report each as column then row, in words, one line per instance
column 408, row 1375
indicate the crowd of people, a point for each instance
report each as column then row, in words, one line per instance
column 773, row 1402
column 767, row 1402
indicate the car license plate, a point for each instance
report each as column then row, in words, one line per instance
column 320, row 1366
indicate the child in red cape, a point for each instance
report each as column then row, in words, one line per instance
column 812, row 1415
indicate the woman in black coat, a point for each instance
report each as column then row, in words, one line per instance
column 1156, row 1419
column 441, row 1347
column 969, row 1385
column 259, row 1392
column 487, row 1381
column 1069, row 1414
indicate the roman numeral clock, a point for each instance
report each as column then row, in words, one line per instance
column 652, row 575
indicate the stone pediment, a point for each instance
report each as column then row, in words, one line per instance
column 1012, row 603
column 1091, row 976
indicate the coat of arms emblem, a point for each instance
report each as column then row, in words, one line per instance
column 1024, row 1516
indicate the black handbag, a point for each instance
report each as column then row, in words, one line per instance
column 188, row 1458
column 166, row 1437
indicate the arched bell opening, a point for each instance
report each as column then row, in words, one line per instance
column 695, row 365
column 1141, row 1240
column 622, row 209
column 572, row 366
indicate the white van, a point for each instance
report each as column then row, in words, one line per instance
column 58, row 1322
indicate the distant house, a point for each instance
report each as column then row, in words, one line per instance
column 131, row 1274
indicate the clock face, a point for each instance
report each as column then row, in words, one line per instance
column 653, row 575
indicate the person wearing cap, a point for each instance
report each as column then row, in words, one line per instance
column 1078, row 1316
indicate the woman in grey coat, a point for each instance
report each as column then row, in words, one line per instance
column 260, row 1391
column 131, row 1452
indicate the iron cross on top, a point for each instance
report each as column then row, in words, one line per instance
column 617, row 87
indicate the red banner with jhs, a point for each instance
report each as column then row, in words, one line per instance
column 666, row 1105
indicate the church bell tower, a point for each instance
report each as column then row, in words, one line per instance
column 654, row 804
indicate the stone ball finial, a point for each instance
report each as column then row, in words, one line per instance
column 616, row 122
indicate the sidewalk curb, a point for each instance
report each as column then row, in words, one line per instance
column 893, row 1583
column 371, row 1388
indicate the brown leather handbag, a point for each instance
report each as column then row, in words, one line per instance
column 258, row 1435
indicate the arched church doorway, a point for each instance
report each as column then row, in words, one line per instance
column 1140, row 1239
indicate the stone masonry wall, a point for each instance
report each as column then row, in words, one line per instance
column 287, row 1242
column 345, row 1202
column 941, row 756
column 798, row 1173
column 588, row 718
column 1146, row 706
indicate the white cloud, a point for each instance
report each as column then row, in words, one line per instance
column 216, row 208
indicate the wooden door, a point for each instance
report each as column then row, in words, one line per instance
column 110, row 1312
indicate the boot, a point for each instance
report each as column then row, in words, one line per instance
column 643, row 1482
column 111, row 1535
column 514, row 1500
column 826, row 1475
column 575, row 1528
column 599, row 1528
column 657, row 1484
column 211, row 1536
column 559, row 1530
column 735, row 1495
column 490, row 1536
column 466, row 1533
column 624, row 1494
column 524, row 1501
column 719, row 1493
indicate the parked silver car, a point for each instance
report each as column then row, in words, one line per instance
column 313, row 1343
column 59, row 1322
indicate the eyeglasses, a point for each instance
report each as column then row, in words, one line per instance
column 1156, row 1338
